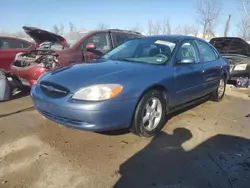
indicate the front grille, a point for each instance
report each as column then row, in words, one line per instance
column 59, row 118
column 53, row 90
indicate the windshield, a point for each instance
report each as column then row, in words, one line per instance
column 73, row 37
column 143, row 50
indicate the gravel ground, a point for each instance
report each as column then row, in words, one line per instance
column 206, row 146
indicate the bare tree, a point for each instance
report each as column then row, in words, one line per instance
column 165, row 27
column 61, row 28
column 136, row 28
column 161, row 27
column 102, row 26
column 72, row 27
column 150, row 27
column 244, row 28
column 227, row 26
column 245, row 6
column 187, row 30
column 20, row 34
column 208, row 12
column 56, row 29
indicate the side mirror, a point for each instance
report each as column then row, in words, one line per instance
column 90, row 46
column 187, row 61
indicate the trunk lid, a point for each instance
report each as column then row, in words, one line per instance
column 40, row 36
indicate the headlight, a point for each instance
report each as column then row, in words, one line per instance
column 99, row 92
column 240, row 67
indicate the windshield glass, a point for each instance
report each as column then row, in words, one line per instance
column 143, row 50
column 73, row 37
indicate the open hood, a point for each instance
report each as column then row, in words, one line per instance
column 231, row 45
column 40, row 36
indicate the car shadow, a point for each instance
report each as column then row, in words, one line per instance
column 17, row 112
column 221, row 161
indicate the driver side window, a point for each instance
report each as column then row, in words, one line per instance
column 101, row 40
column 188, row 50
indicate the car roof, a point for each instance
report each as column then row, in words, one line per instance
column 173, row 37
column 115, row 31
column 9, row 37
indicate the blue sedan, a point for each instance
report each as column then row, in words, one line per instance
column 135, row 85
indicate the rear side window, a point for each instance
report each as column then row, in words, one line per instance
column 120, row 38
column 206, row 52
column 6, row 43
column 123, row 37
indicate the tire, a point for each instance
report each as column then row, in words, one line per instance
column 155, row 117
column 219, row 93
column 5, row 88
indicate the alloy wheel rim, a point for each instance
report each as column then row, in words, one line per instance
column 152, row 114
column 221, row 88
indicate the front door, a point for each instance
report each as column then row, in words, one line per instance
column 188, row 77
column 102, row 42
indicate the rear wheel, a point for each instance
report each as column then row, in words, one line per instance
column 150, row 114
column 219, row 93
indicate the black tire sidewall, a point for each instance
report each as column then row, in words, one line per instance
column 137, row 126
column 216, row 96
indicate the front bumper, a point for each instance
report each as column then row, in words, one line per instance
column 92, row 116
column 28, row 75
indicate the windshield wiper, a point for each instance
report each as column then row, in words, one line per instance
column 125, row 59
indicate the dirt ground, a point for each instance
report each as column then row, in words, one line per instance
column 206, row 146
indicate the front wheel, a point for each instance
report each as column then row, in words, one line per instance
column 219, row 93
column 150, row 114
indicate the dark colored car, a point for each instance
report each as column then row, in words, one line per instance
column 237, row 52
column 135, row 85
column 55, row 51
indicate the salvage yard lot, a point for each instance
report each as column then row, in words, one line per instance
column 206, row 146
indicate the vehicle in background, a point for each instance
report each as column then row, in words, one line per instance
column 9, row 47
column 55, row 51
column 237, row 52
column 140, row 82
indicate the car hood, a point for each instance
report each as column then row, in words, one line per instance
column 231, row 45
column 77, row 76
column 40, row 36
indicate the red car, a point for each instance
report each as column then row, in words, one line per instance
column 9, row 47
column 54, row 51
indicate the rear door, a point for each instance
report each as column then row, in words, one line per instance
column 212, row 69
column 8, row 50
column 188, row 78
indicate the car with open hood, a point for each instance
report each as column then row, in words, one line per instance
column 135, row 85
column 237, row 52
column 55, row 51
